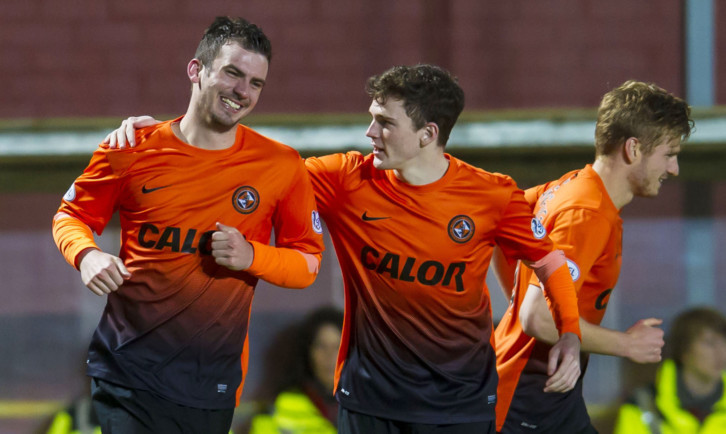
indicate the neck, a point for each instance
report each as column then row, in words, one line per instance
column 197, row 133
column 615, row 179
column 431, row 170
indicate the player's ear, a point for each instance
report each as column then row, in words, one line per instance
column 430, row 134
column 194, row 70
column 631, row 150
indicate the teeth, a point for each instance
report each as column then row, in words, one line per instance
column 231, row 103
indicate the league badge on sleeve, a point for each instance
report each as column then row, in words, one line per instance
column 538, row 229
column 317, row 225
column 70, row 194
column 574, row 270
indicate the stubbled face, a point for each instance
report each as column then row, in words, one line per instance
column 229, row 89
column 324, row 354
column 654, row 168
column 396, row 142
column 706, row 357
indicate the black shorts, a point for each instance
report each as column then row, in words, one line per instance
column 133, row 411
column 351, row 422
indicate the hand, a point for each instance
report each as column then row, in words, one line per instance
column 645, row 341
column 564, row 364
column 101, row 272
column 231, row 249
column 126, row 133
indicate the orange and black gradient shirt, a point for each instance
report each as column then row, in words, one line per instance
column 178, row 326
column 583, row 222
column 416, row 344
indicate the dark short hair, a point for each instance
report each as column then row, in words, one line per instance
column 688, row 326
column 641, row 110
column 224, row 30
column 429, row 94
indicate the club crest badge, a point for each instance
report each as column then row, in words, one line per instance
column 245, row 199
column 461, row 229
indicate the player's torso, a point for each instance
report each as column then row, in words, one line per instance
column 431, row 242
column 414, row 261
column 585, row 192
column 172, row 198
column 184, row 316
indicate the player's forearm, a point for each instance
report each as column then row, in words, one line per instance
column 536, row 318
column 559, row 290
column 601, row 340
column 288, row 268
column 538, row 322
column 562, row 299
column 73, row 237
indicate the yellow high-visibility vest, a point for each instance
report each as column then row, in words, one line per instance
column 667, row 416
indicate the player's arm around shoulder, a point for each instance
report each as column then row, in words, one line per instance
column 125, row 135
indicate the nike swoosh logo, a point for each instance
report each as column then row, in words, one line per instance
column 367, row 218
column 149, row 190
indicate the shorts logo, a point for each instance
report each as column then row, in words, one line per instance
column 245, row 199
column 71, row 193
column 574, row 270
column 538, row 230
column 528, row 425
column 461, row 229
column 317, row 226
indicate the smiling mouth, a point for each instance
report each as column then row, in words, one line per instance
column 231, row 103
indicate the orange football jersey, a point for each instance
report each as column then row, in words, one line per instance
column 178, row 326
column 416, row 338
column 583, row 222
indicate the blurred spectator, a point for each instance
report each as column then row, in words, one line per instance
column 688, row 394
column 298, row 384
column 78, row 418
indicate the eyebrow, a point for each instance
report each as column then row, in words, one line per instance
column 240, row 72
column 379, row 116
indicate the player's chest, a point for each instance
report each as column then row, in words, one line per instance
column 199, row 189
column 428, row 223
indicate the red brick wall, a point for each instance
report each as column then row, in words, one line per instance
column 720, row 44
column 114, row 58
